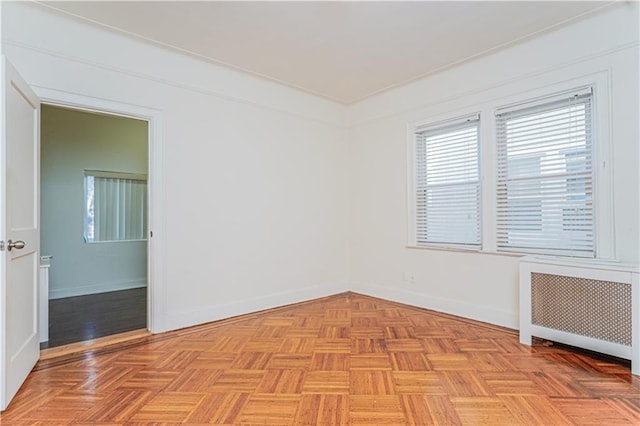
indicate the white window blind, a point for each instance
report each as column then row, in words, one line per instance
column 115, row 206
column 545, row 176
column 447, row 184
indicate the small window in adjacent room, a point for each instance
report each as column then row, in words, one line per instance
column 446, row 184
column 545, row 177
column 115, row 206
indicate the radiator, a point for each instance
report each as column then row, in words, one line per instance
column 589, row 305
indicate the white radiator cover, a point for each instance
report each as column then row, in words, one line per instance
column 588, row 304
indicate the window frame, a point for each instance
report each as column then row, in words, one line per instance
column 530, row 108
column 511, row 94
column 444, row 124
column 113, row 175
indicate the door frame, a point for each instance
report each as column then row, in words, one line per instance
column 155, row 241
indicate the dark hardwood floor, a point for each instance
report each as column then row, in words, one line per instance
column 75, row 319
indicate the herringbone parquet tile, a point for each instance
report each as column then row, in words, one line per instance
column 346, row 359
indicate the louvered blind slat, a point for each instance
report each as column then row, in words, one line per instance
column 545, row 177
column 447, row 184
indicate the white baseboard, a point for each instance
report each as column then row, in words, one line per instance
column 448, row 306
column 188, row 318
column 97, row 288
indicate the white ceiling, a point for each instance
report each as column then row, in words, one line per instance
column 344, row 51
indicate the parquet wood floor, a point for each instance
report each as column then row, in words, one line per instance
column 344, row 360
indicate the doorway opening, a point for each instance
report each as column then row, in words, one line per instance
column 94, row 224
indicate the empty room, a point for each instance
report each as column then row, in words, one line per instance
column 348, row 213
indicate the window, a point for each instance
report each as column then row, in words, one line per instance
column 545, row 176
column 115, row 206
column 446, row 178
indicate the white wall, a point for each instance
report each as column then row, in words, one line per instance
column 73, row 141
column 601, row 49
column 254, row 206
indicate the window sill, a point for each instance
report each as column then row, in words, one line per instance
column 116, row 241
column 530, row 256
column 465, row 250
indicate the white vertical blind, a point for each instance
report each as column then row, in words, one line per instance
column 447, row 184
column 116, row 208
column 545, row 176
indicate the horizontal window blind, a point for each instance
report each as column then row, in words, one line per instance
column 447, row 184
column 545, row 177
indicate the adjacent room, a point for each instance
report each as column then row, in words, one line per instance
column 321, row 212
column 93, row 216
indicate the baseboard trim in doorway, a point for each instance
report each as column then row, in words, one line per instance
column 77, row 350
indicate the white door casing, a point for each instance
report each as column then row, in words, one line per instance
column 155, row 243
column 19, row 222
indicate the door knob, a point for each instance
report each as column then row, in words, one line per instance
column 15, row 245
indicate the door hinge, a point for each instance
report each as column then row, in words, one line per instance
column 1, row 245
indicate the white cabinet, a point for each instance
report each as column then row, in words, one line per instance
column 45, row 264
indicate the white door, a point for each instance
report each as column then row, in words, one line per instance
column 19, row 233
